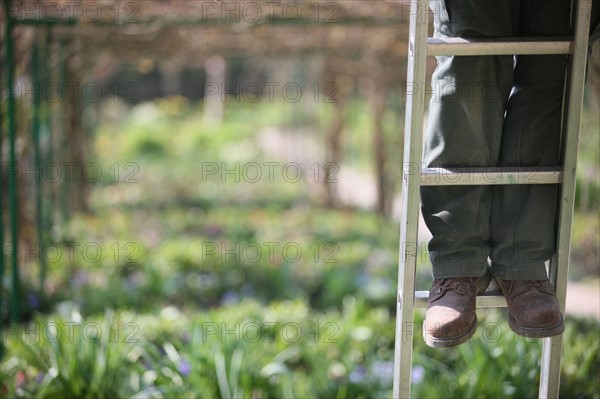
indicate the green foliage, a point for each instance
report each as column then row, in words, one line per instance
column 284, row 349
column 65, row 356
column 205, row 322
column 580, row 368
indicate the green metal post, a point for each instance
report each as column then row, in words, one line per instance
column 1, row 226
column 49, row 219
column 35, row 131
column 12, row 175
column 64, row 144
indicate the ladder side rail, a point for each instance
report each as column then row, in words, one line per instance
column 413, row 147
column 551, row 353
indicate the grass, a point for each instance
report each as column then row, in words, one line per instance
column 283, row 349
column 198, row 312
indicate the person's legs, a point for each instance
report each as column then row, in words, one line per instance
column 523, row 216
column 464, row 128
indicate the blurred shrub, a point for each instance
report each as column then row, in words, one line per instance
column 340, row 293
column 67, row 357
column 284, row 349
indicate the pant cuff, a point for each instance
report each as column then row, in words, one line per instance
column 449, row 270
column 530, row 271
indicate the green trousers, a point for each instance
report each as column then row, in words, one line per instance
column 495, row 111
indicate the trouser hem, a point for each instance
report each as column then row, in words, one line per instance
column 451, row 270
column 536, row 271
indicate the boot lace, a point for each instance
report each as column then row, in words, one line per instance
column 455, row 284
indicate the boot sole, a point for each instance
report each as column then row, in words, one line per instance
column 436, row 342
column 531, row 332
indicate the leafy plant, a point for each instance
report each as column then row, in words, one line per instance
column 66, row 357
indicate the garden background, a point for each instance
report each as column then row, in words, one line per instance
column 208, row 206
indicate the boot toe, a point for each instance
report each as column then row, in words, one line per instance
column 533, row 308
column 447, row 326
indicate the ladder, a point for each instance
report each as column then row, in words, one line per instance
column 420, row 46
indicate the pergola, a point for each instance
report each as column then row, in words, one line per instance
column 58, row 42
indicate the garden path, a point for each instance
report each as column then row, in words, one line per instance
column 357, row 188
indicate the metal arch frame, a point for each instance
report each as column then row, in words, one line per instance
column 12, row 173
column 40, row 117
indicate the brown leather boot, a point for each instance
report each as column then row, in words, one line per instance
column 451, row 319
column 532, row 307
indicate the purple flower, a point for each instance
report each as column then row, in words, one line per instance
column 230, row 297
column 184, row 368
column 147, row 365
column 383, row 371
column 358, row 375
column 417, row 374
column 34, row 300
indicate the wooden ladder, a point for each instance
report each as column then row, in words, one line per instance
column 420, row 46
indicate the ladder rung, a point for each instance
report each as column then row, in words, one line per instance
column 483, row 301
column 490, row 176
column 503, row 46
